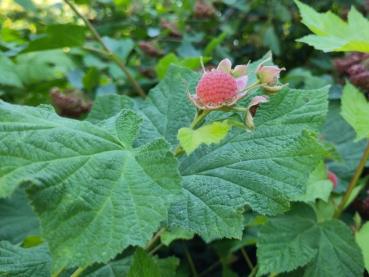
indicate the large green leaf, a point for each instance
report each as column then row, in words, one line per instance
column 262, row 169
column 94, row 193
column 355, row 110
column 334, row 34
column 17, row 220
column 16, row 261
column 296, row 239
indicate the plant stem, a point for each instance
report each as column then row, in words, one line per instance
column 353, row 182
column 247, row 258
column 200, row 115
column 253, row 272
column 154, row 239
column 190, row 261
column 210, row 268
column 77, row 272
column 156, row 248
column 109, row 53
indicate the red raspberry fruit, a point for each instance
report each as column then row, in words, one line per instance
column 216, row 87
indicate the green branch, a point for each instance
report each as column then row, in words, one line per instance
column 107, row 51
column 353, row 182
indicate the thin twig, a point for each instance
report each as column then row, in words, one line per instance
column 353, row 182
column 190, row 261
column 110, row 53
column 154, row 239
column 156, row 248
column 247, row 259
column 210, row 268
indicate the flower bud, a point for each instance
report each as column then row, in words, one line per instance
column 251, row 110
column 268, row 74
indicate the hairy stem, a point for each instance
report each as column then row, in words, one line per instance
column 109, row 53
column 247, row 259
column 353, row 182
column 199, row 117
column 154, row 239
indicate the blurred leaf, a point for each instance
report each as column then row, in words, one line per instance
column 303, row 78
column 27, row 5
column 162, row 66
column 121, row 47
column 43, row 66
column 210, row 47
column 91, row 79
column 272, row 41
column 355, row 110
column 9, row 75
column 58, row 36
column 334, row 34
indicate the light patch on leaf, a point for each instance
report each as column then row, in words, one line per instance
column 213, row 133
column 355, row 110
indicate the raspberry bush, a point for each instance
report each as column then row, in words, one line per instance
column 198, row 168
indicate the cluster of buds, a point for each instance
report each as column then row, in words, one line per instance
column 223, row 87
column 149, row 48
column 355, row 66
column 70, row 103
column 204, row 9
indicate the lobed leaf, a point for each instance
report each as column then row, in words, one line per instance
column 334, row 34
column 296, row 239
column 355, row 110
column 95, row 194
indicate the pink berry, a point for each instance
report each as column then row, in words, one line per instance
column 216, row 87
column 333, row 178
